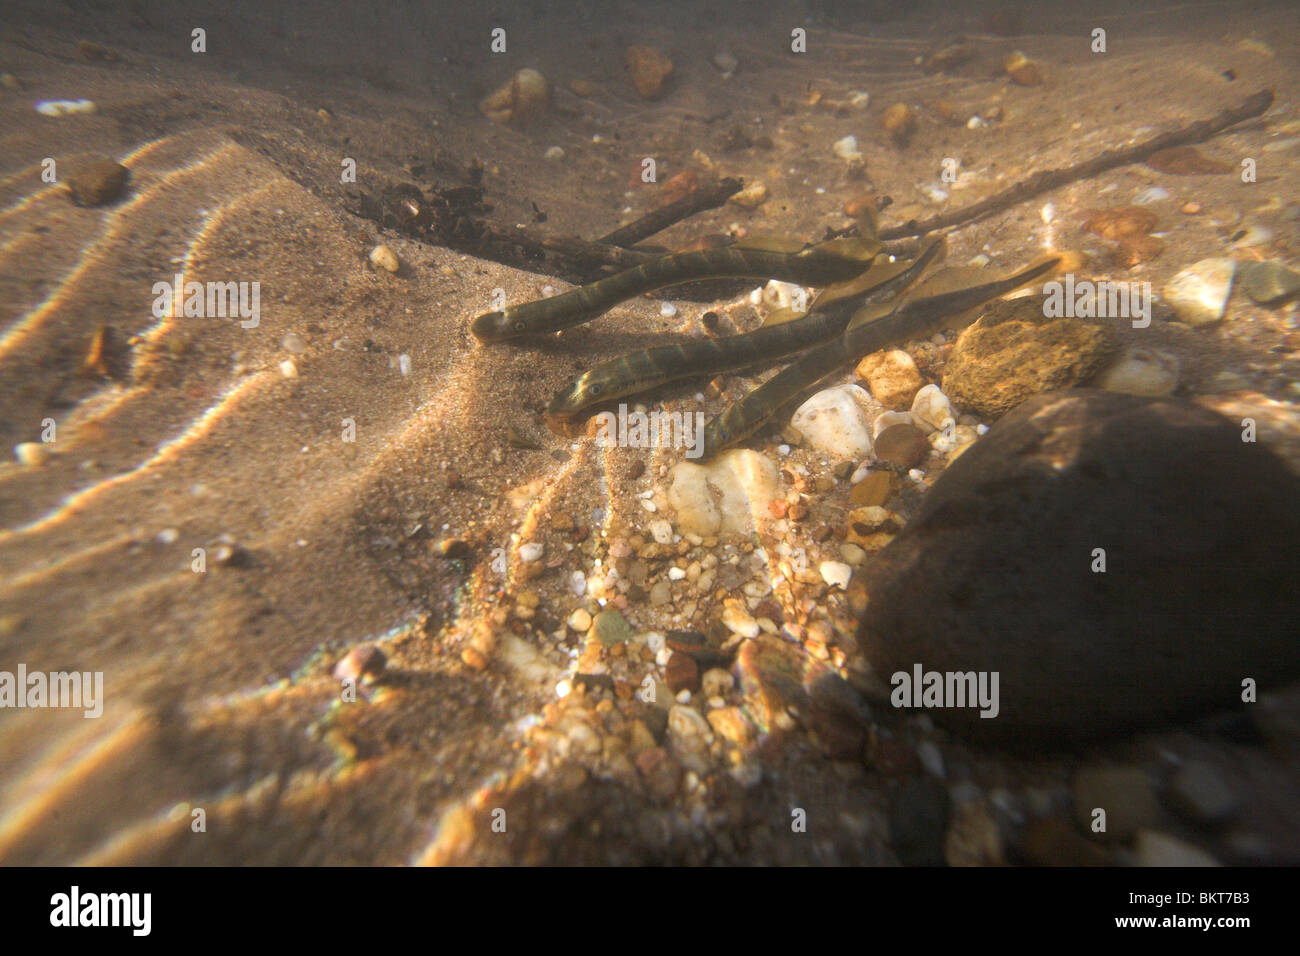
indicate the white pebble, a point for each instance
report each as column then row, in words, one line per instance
column 404, row 364
column 64, row 107
column 168, row 536
column 667, row 309
column 531, row 551
column 554, row 154
column 835, row 421
column 31, row 453
column 847, row 148
column 836, row 573
column 676, row 574
column 1199, row 293
column 931, row 410
column 578, row 583
column 563, row 688
column 385, row 258
column 288, row 369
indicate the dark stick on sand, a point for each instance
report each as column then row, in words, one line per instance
column 1049, row 179
column 697, row 200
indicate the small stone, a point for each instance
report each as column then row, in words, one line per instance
column 892, row 377
column 682, row 673
column 1199, row 293
column 835, row 421
column 899, row 121
column 1121, row 222
column 610, row 628
column 1051, row 841
column 364, row 660
column 650, row 69
column 853, row 554
column 973, row 838
column 738, row 620
column 1160, row 849
column 918, row 822
column 31, row 453
column 725, row 61
column 98, row 183
column 689, row 737
column 1201, row 794
column 385, row 258
column 580, row 621
column 752, row 196
column 293, row 342
column 553, row 154
column 931, row 410
column 526, row 96
column 903, row 445
column 1268, row 282
column 473, row 657
column 531, row 551
column 660, row 594
column 289, row 368
column 836, row 574
column 1124, row 793
column 725, row 495
column 717, row 682
column 847, row 148
column 731, row 724
column 1190, row 208
column 1022, row 70
column 875, row 489
column 1141, row 371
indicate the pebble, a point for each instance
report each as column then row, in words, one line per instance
column 580, row 621
column 1199, row 293
column 903, row 445
column 385, row 258
column 682, row 673
column 553, row 154
column 835, row 421
column 1014, row 351
column 98, row 183
column 31, row 453
column 875, row 489
column 364, row 660
column 1022, row 70
column 717, row 683
column 892, row 377
column 738, row 620
column 725, row 61
column 65, row 107
column 1151, row 194
column 836, row 574
column 1141, row 371
column 752, row 196
column 611, row 627
column 973, row 838
column 931, row 410
column 1199, row 792
column 289, row 369
column 731, row 724
column 531, row 551
column 725, row 494
column 1190, row 208
column 899, row 121
column 689, row 737
column 649, row 69
column 847, row 148
column 1125, row 793
column 293, row 342
column 1268, row 282
column 918, row 822
column 525, row 96
column 1161, row 849
column 886, row 419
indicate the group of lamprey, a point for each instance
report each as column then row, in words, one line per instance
column 868, row 301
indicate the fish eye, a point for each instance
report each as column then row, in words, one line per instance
column 520, row 325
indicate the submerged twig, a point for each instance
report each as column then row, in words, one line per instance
column 1050, row 179
column 697, row 200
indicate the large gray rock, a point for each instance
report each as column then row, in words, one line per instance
column 1201, row 533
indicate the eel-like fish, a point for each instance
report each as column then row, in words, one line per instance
column 870, row 329
column 828, row 317
column 835, row 260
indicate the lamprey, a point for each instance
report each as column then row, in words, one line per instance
column 828, row 317
column 835, row 260
column 870, row 329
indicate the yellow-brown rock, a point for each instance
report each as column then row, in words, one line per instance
column 525, row 96
column 649, row 69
